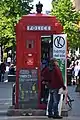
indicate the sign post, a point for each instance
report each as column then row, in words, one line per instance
column 59, row 52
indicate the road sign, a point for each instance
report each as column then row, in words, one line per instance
column 59, row 52
column 59, row 46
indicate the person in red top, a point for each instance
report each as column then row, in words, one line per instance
column 55, row 75
column 55, row 81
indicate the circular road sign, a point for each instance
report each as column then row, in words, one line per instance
column 59, row 42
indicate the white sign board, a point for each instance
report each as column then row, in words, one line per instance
column 59, row 46
column 38, row 28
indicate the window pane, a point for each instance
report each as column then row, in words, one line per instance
column 29, row 43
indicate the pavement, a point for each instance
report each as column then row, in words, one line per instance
column 5, row 97
column 37, row 118
column 73, row 114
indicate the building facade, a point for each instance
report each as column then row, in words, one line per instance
column 76, row 4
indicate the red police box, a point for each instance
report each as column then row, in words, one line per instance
column 28, row 56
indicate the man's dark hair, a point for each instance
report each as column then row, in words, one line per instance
column 52, row 63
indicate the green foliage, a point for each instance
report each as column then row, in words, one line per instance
column 63, row 10
column 10, row 12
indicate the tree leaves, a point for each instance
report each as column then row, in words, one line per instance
column 10, row 12
column 63, row 10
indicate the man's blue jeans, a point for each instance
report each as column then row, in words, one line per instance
column 53, row 102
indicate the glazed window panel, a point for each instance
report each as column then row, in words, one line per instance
column 30, row 44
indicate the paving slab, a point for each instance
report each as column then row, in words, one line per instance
column 76, row 103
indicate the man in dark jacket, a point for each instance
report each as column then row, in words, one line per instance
column 55, row 81
column 2, row 70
